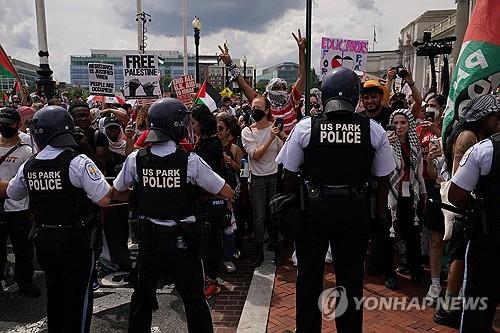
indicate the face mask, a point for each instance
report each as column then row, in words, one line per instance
column 7, row 131
column 278, row 98
column 258, row 114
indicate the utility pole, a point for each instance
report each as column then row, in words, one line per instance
column 139, row 25
column 184, row 33
column 44, row 83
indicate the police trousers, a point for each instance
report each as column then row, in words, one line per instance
column 17, row 226
column 68, row 263
column 482, row 269
column 158, row 257
column 342, row 222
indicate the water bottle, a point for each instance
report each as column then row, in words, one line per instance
column 245, row 171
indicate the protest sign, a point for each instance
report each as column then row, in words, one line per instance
column 141, row 76
column 101, row 79
column 340, row 52
column 184, row 87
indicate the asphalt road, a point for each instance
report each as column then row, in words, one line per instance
column 110, row 313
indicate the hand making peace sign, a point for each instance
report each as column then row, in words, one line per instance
column 301, row 41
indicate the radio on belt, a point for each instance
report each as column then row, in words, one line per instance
column 340, row 133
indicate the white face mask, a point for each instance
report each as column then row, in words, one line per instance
column 278, row 98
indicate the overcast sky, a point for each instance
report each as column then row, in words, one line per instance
column 259, row 29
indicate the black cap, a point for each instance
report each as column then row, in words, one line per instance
column 111, row 121
column 9, row 116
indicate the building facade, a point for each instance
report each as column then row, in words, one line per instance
column 171, row 63
column 378, row 62
column 217, row 75
column 287, row 71
column 26, row 71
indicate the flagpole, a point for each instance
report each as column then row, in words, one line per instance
column 308, row 54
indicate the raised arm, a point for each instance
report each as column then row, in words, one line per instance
column 301, row 79
column 245, row 88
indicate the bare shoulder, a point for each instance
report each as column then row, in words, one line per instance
column 464, row 141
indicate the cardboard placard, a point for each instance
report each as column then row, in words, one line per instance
column 184, row 87
column 141, row 76
column 101, row 79
column 340, row 52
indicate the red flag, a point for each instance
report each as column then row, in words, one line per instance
column 6, row 68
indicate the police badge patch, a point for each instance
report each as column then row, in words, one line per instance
column 92, row 171
column 466, row 156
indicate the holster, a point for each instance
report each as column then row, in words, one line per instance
column 93, row 227
column 197, row 234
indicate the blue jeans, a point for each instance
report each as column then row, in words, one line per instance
column 262, row 189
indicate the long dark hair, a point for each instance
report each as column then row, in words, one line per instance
column 208, row 123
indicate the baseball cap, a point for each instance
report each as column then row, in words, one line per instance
column 375, row 85
column 9, row 116
column 111, row 121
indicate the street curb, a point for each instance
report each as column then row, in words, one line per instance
column 255, row 312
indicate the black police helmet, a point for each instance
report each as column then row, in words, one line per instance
column 53, row 125
column 168, row 120
column 340, row 90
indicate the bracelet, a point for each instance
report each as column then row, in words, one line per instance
column 231, row 66
column 235, row 73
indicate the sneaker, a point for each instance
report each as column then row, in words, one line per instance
column 392, row 283
column 447, row 318
column 229, row 266
column 403, row 269
column 211, row 289
column 30, row 290
column 434, row 292
column 95, row 286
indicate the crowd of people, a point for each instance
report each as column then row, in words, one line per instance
column 241, row 142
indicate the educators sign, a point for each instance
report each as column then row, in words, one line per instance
column 141, row 76
column 184, row 87
column 340, row 52
column 101, row 79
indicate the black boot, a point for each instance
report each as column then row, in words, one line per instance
column 259, row 254
column 279, row 254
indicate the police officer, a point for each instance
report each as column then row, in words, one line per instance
column 58, row 182
column 336, row 151
column 479, row 171
column 164, row 177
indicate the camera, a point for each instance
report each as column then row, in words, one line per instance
column 78, row 133
column 400, row 71
column 429, row 116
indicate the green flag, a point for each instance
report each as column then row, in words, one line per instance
column 477, row 71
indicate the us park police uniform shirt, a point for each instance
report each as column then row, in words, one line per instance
column 476, row 162
column 198, row 173
column 83, row 174
column 292, row 153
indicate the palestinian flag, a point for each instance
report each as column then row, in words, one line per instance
column 208, row 96
column 477, row 71
column 6, row 68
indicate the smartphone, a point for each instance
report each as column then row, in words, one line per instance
column 280, row 123
column 390, row 129
column 429, row 116
column 435, row 142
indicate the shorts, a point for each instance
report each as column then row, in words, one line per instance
column 457, row 244
column 433, row 218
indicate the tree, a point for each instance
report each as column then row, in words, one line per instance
column 165, row 82
column 314, row 79
column 74, row 93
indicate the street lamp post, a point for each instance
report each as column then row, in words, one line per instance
column 44, row 83
column 197, row 28
column 244, row 61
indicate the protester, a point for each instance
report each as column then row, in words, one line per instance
column 262, row 141
column 473, row 126
column 15, row 218
column 210, row 149
column 283, row 104
column 429, row 134
column 407, row 190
